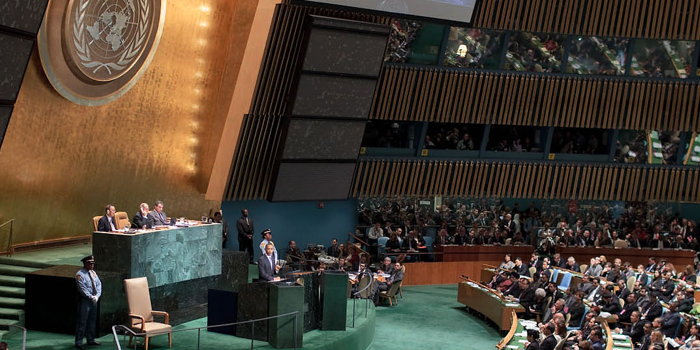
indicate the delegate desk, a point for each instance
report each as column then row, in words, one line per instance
column 678, row 257
column 167, row 256
column 480, row 252
column 488, row 302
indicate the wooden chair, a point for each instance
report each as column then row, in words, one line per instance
column 532, row 270
column 121, row 219
column 630, row 282
column 96, row 221
column 364, row 281
column 391, row 293
column 141, row 314
column 583, row 267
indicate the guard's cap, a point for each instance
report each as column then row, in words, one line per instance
column 265, row 232
column 88, row 259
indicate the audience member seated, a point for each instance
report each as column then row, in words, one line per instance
column 396, row 276
column 293, row 256
column 333, row 250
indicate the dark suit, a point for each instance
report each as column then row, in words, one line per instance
column 524, row 270
column 535, row 345
column 245, row 228
column 613, row 307
column 138, row 222
column 575, row 267
column 265, row 269
column 671, row 321
column 576, row 312
column 549, row 343
column 104, row 226
column 623, row 293
column 334, row 251
column 636, row 332
column 159, row 218
column 626, row 312
column 652, row 310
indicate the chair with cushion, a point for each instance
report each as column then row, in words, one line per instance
column 391, row 293
column 381, row 245
column 619, row 244
column 365, row 293
column 630, row 282
column 583, row 268
column 555, row 273
column 121, row 219
column 532, row 270
column 141, row 314
column 565, row 281
column 96, row 221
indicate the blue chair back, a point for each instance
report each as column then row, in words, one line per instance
column 429, row 242
column 580, row 323
column 555, row 273
column 430, row 232
column 381, row 244
column 565, row 281
column 678, row 327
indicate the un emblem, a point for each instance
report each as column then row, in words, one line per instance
column 94, row 51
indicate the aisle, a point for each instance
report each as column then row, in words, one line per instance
column 429, row 317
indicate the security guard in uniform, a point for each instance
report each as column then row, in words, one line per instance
column 89, row 292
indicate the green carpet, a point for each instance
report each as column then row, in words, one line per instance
column 428, row 317
column 69, row 255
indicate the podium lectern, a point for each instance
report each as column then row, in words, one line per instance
column 286, row 297
column 334, row 300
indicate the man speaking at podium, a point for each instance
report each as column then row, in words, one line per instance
column 267, row 266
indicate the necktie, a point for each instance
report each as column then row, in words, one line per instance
column 247, row 222
column 94, row 287
column 111, row 223
column 272, row 264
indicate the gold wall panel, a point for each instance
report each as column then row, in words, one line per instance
column 61, row 163
column 467, row 96
column 378, row 177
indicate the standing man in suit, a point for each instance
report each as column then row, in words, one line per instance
column 267, row 265
column 89, row 292
column 158, row 215
column 141, row 220
column 245, row 228
column 107, row 223
column 219, row 219
column 334, row 249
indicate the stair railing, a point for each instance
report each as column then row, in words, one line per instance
column 10, row 248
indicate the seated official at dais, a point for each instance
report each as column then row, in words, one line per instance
column 141, row 220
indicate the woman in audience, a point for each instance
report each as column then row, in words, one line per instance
column 539, row 305
column 577, row 309
column 657, row 339
column 533, row 340
column 560, row 330
column 688, row 275
column 507, row 263
column 583, row 345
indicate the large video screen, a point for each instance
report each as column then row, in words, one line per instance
column 453, row 10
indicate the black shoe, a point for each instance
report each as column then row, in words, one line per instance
column 94, row 342
column 79, row 347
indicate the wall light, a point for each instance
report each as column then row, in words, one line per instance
column 462, row 51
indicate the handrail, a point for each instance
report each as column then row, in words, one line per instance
column 10, row 249
column 127, row 329
column 511, row 332
column 358, row 238
column 24, row 334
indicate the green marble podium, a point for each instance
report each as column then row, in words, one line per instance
column 286, row 297
column 165, row 257
column 334, row 300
